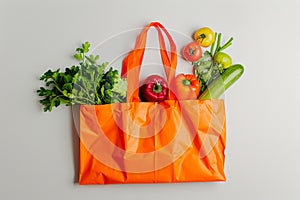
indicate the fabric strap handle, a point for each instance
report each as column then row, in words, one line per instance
column 133, row 61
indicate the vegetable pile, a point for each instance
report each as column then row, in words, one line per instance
column 87, row 83
column 90, row 83
column 213, row 71
column 213, row 68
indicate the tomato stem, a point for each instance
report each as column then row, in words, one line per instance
column 191, row 51
column 203, row 36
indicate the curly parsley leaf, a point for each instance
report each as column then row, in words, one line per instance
column 86, row 83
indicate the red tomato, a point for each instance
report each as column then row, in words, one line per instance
column 192, row 52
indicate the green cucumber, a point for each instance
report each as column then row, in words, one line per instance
column 224, row 81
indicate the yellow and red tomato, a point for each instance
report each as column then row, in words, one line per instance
column 204, row 36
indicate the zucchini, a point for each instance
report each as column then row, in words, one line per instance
column 216, row 88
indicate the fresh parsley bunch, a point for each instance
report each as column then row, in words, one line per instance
column 87, row 83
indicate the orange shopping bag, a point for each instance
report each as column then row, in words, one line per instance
column 152, row 142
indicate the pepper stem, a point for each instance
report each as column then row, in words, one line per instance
column 186, row 82
column 157, row 88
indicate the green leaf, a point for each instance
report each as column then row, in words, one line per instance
column 64, row 101
column 78, row 57
column 43, row 92
column 48, row 83
column 55, row 76
column 120, row 88
column 65, row 93
column 57, row 102
column 86, row 83
column 86, row 47
column 79, row 50
column 68, row 87
column 47, row 109
column 48, row 75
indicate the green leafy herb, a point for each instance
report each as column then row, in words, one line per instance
column 112, row 88
column 84, row 84
column 58, row 87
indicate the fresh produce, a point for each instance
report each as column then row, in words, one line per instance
column 187, row 87
column 219, row 48
column 222, row 59
column 206, row 70
column 213, row 62
column 204, row 36
column 224, row 81
column 87, row 83
column 90, row 82
column 112, row 88
column 154, row 88
column 192, row 52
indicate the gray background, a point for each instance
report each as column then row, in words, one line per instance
column 37, row 154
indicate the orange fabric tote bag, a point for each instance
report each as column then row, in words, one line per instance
column 152, row 142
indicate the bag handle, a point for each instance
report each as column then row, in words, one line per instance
column 133, row 61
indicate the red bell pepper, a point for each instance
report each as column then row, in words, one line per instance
column 187, row 87
column 154, row 88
